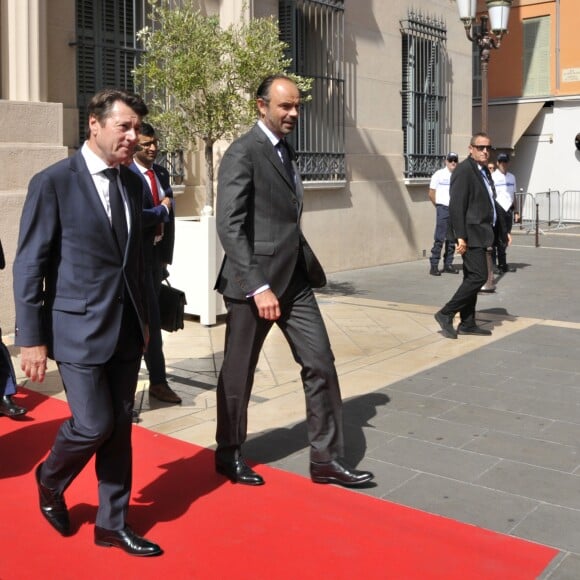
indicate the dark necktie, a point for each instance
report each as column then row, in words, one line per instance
column 489, row 181
column 155, row 193
column 118, row 218
column 282, row 147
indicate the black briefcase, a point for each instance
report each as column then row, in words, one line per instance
column 171, row 307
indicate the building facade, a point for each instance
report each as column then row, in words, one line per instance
column 392, row 95
column 534, row 90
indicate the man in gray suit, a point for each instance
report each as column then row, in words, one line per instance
column 78, row 281
column 267, row 277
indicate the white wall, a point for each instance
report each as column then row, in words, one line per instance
column 546, row 157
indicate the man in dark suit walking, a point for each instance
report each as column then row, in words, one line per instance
column 78, row 280
column 267, row 277
column 473, row 215
column 158, row 238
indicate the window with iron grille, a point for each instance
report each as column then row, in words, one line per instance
column 107, row 48
column 314, row 33
column 423, row 93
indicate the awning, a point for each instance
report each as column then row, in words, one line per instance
column 507, row 123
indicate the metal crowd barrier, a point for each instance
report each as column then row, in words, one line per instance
column 546, row 209
column 538, row 211
column 570, row 209
column 525, row 211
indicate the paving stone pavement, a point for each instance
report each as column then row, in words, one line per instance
column 484, row 430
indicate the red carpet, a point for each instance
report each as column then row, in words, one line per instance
column 211, row 529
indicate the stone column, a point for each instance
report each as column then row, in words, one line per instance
column 23, row 50
column 231, row 10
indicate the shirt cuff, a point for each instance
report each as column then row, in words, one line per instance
column 258, row 290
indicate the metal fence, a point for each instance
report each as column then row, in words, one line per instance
column 551, row 209
column 570, row 207
column 524, row 210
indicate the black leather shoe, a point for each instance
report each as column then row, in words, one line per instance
column 53, row 507
column 9, row 408
column 450, row 270
column 127, row 540
column 434, row 271
column 446, row 323
column 505, row 268
column 337, row 471
column 238, row 471
column 473, row 329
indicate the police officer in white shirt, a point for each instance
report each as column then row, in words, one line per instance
column 505, row 188
column 439, row 196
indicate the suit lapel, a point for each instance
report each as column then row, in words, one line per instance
column 146, row 186
column 134, row 200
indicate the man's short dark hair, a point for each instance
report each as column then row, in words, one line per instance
column 477, row 136
column 263, row 91
column 101, row 104
column 147, row 130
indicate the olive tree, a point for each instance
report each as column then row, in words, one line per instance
column 201, row 77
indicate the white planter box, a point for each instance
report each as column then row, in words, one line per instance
column 197, row 256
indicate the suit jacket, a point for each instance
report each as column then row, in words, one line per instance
column 258, row 220
column 70, row 278
column 470, row 207
column 152, row 216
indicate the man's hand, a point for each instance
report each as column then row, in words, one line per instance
column 461, row 246
column 33, row 362
column 509, row 239
column 267, row 305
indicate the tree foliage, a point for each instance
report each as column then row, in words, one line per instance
column 200, row 78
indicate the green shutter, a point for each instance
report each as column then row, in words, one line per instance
column 106, row 48
column 536, row 69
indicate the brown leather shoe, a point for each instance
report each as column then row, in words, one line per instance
column 163, row 392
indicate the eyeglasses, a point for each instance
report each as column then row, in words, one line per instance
column 483, row 147
column 452, row 160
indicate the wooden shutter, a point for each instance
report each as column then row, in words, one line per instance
column 536, row 70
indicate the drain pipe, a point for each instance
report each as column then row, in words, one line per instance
column 558, row 72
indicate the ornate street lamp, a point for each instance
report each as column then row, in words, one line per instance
column 486, row 34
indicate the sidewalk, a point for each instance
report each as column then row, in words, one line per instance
column 485, row 430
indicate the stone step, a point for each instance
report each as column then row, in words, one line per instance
column 31, row 122
column 20, row 161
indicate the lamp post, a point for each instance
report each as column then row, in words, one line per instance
column 492, row 27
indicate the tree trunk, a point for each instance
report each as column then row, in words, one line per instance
column 209, row 197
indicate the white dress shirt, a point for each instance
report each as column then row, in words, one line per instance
column 96, row 167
